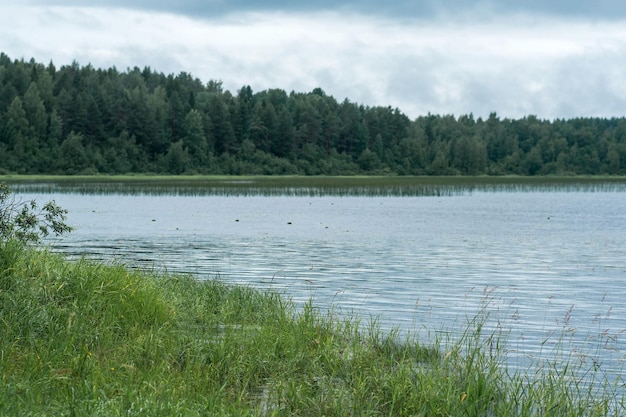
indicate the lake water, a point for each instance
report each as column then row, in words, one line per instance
column 547, row 266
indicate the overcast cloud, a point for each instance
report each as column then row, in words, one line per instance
column 557, row 59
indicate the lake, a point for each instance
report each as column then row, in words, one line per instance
column 548, row 263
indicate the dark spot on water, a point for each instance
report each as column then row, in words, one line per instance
column 288, row 222
column 154, row 220
column 236, row 220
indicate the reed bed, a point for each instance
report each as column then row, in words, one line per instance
column 82, row 338
column 397, row 186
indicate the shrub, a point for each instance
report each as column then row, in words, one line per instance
column 26, row 221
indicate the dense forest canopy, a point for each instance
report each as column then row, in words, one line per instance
column 82, row 120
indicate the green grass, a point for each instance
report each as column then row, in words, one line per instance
column 85, row 339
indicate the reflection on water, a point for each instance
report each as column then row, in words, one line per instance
column 546, row 265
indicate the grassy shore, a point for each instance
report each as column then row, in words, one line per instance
column 85, row 339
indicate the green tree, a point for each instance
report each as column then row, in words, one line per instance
column 194, row 139
column 176, row 115
column 368, row 161
column 469, row 156
column 412, row 156
column 177, row 159
column 282, row 140
column 157, row 111
column 244, row 111
column 74, row 158
column 35, row 113
column 54, row 131
column 440, row 164
column 45, row 87
column 378, row 145
column 17, row 126
column 263, row 125
column 307, row 121
column 532, row 162
column 222, row 131
column 613, row 161
column 123, row 156
column 353, row 133
column 48, row 156
column 17, row 138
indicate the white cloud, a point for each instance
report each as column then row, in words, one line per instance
column 515, row 65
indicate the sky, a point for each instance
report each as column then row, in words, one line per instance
column 552, row 59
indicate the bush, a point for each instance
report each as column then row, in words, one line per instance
column 25, row 221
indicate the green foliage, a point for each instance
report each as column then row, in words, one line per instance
column 76, row 120
column 26, row 221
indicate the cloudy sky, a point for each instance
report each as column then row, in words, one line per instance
column 550, row 58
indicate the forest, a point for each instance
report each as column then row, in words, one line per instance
column 78, row 119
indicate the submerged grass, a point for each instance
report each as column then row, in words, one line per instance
column 85, row 339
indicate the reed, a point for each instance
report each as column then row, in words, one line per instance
column 400, row 186
column 85, row 339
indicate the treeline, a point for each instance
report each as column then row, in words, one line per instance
column 82, row 120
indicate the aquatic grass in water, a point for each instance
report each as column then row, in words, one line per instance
column 86, row 339
column 308, row 186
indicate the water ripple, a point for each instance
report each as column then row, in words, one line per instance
column 541, row 262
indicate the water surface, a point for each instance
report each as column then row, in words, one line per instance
column 546, row 264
